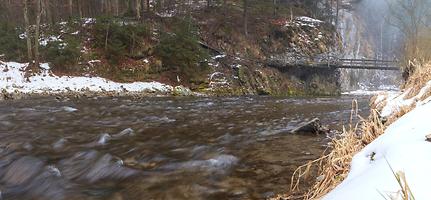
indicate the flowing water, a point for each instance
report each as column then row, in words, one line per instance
column 159, row 148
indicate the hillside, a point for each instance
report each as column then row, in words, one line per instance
column 206, row 47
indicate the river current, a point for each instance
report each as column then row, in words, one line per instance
column 160, row 148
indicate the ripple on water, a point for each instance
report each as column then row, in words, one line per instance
column 166, row 148
column 219, row 164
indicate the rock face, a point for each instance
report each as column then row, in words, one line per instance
column 314, row 126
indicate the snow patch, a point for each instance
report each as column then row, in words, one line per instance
column 13, row 79
column 45, row 41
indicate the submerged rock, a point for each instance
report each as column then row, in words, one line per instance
column 125, row 132
column 218, row 164
column 28, row 177
column 92, row 166
column 69, row 109
column 103, row 139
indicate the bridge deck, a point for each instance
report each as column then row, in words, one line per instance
column 350, row 64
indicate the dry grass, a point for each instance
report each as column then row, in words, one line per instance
column 405, row 193
column 333, row 167
column 419, row 78
column 378, row 105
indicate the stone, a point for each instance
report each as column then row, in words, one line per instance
column 314, row 126
column 182, row 91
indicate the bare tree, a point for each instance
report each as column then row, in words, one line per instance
column 70, row 7
column 27, row 30
column 409, row 16
column 245, row 16
column 138, row 9
column 39, row 11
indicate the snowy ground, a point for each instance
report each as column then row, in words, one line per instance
column 401, row 149
column 12, row 79
column 369, row 92
column 392, row 102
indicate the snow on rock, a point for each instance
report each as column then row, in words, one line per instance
column 12, row 79
column 404, row 149
column 309, row 20
column 88, row 21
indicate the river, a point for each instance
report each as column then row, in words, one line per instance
column 159, row 148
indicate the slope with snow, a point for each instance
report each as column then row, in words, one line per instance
column 402, row 148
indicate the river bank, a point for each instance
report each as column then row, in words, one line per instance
column 384, row 156
column 17, row 81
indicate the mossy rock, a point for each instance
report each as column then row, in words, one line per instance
column 182, row 91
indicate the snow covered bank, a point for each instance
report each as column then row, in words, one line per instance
column 402, row 148
column 13, row 79
column 367, row 92
column 391, row 102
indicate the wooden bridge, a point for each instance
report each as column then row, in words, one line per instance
column 371, row 64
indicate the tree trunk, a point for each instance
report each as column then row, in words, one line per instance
column 337, row 14
column 117, row 7
column 47, row 13
column 70, row 7
column 245, row 17
column 107, row 37
column 148, row 6
column 138, row 9
column 27, row 31
column 39, row 12
column 225, row 8
column 7, row 10
column 80, row 9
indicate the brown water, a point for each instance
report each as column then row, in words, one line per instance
column 159, row 148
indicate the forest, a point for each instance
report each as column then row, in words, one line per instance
column 122, row 33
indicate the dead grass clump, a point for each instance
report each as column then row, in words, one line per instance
column 419, row 78
column 378, row 105
column 333, row 167
column 426, row 95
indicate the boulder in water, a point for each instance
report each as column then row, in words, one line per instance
column 314, row 126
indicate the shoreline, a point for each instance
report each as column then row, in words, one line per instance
column 383, row 156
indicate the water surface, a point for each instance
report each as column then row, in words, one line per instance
column 159, row 148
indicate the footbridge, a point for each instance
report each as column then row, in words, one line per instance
column 342, row 63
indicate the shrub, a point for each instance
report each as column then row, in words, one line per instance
column 63, row 55
column 118, row 39
column 181, row 51
column 13, row 47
